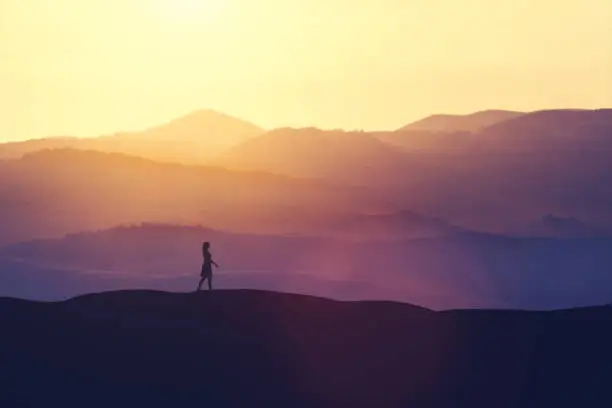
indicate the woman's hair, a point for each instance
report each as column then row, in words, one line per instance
column 206, row 244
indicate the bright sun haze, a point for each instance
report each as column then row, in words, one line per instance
column 185, row 11
column 75, row 67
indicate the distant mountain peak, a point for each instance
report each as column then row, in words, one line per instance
column 563, row 128
column 205, row 120
column 473, row 122
column 199, row 114
column 192, row 138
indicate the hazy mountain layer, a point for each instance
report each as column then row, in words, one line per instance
column 459, row 271
column 191, row 139
column 504, row 176
column 498, row 180
column 474, row 122
column 355, row 158
column 55, row 192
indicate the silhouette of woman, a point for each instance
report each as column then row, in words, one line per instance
column 206, row 266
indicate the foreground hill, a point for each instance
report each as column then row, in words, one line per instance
column 247, row 348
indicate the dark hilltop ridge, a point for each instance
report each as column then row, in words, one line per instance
column 253, row 348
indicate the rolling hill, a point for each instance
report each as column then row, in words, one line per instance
column 243, row 348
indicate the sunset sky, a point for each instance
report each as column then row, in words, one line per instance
column 88, row 67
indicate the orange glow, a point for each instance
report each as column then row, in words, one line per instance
column 85, row 68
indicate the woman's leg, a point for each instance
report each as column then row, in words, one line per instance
column 201, row 282
column 210, row 281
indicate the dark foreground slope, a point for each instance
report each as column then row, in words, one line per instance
column 249, row 348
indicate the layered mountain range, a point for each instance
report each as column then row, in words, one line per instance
column 495, row 209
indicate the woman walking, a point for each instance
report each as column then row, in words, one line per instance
column 206, row 266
